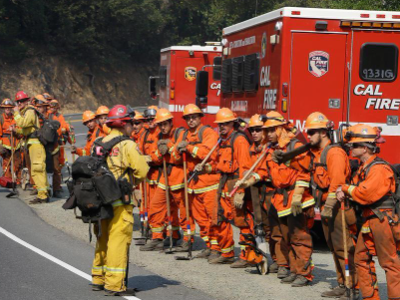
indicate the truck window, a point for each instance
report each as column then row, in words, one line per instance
column 226, row 80
column 237, row 74
column 251, row 70
column 217, row 62
column 163, row 76
column 378, row 62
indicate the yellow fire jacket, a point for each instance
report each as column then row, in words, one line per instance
column 28, row 122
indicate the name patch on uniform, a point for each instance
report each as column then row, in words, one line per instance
column 318, row 63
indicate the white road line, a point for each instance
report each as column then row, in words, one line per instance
column 52, row 258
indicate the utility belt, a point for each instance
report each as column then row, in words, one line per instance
column 285, row 193
column 222, row 182
column 386, row 202
column 317, row 192
column 159, row 169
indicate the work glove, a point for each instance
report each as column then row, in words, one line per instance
column 249, row 182
column 296, row 201
column 328, row 207
column 147, row 158
column 163, row 142
column 182, row 146
column 2, row 150
column 163, row 148
column 238, row 200
column 199, row 168
column 73, row 149
column 207, row 168
column 277, row 156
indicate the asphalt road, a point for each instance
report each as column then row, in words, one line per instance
column 25, row 274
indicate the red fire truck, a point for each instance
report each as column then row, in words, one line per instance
column 343, row 63
column 176, row 82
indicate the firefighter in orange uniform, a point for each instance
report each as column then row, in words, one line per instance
column 89, row 120
column 138, row 128
column 292, row 199
column 101, row 116
column 260, row 177
column 197, row 142
column 168, row 137
column 374, row 188
column 331, row 169
column 233, row 159
column 7, row 125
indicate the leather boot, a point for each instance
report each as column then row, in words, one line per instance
column 153, row 245
column 128, row 292
column 283, row 272
column 289, row 279
column 97, row 287
column 213, row 255
column 204, row 253
column 57, row 194
column 336, row 292
column 222, row 260
column 300, row 281
column 354, row 295
column 273, row 268
column 184, row 247
column 39, row 201
column 167, row 242
column 241, row 263
column 33, row 192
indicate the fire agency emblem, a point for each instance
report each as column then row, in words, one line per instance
column 318, row 63
column 190, row 73
column 263, row 45
column 364, row 131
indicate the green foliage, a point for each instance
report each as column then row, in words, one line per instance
column 115, row 30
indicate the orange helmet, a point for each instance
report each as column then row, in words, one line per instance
column 225, row 115
column 102, row 110
column 39, row 100
column 54, row 103
column 7, row 103
column 138, row 116
column 255, row 121
column 47, row 96
column 162, row 115
column 87, row 116
column 317, row 120
column 274, row 119
column 192, row 109
column 362, row 133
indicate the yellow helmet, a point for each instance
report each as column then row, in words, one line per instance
column 225, row 115
column 274, row 119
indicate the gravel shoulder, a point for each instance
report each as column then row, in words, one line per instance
column 219, row 281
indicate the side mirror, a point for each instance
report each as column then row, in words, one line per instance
column 201, row 89
column 153, row 87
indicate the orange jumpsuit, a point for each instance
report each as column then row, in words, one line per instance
column 90, row 138
column 138, row 137
column 278, row 249
column 376, row 237
column 232, row 162
column 5, row 141
column 328, row 178
column 203, row 189
column 295, row 230
column 158, row 208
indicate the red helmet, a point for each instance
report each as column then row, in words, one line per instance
column 21, row 95
column 118, row 116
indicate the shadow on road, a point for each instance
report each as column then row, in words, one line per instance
column 150, row 282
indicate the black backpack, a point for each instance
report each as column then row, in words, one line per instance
column 47, row 134
column 93, row 187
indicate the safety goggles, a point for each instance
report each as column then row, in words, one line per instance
column 8, row 102
column 150, row 113
column 255, row 130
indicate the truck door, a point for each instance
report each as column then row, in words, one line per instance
column 374, row 95
column 317, row 76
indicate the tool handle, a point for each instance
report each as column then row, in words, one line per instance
column 346, row 258
column 295, row 152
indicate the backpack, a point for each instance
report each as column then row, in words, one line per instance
column 47, row 134
column 94, row 188
column 178, row 130
column 235, row 134
column 200, row 134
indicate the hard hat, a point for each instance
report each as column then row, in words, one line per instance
column 54, row 103
column 138, row 116
column 225, row 115
column 119, row 115
column 47, row 96
column 21, row 96
column 274, row 119
column 39, row 100
column 87, row 116
column 162, row 115
column 255, row 121
column 317, row 120
column 102, row 110
column 362, row 133
column 7, row 103
column 192, row 109
column 150, row 112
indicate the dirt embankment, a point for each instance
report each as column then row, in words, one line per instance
column 77, row 86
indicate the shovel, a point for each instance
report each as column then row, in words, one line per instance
column 14, row 191
column 169, row 250
column 189, row 232
column 349, row 294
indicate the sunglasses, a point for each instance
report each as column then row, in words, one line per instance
column 149, row 120
column 191, row 117
column 255, row 130
column 311, row 132
column 355, row 145
column 136, row 123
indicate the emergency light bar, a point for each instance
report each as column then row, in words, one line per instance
column 370, row 24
